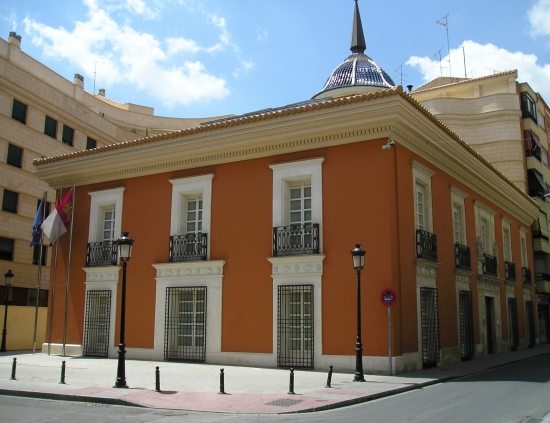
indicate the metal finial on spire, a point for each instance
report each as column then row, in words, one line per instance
column 358, row 44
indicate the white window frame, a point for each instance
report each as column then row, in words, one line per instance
column 507, row 239
column 523, row 247
column 100, row 200
column 422, row 177
column 457, row 201
column 192, row 185
column 482, row 212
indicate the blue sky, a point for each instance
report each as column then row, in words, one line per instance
column 201, row 58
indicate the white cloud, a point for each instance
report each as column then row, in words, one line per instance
column 11, row 18
column 539, row 17
column 485, row 60
column 127, row 55
column 175, row 45
column 245, row 66
column 140, row 7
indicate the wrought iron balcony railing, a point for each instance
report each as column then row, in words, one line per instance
column 188, row 247
column 296, row 240
column 510, row 271
column 463, row 259
column 426, row 245
column 102, row 253
column 527, row 276
column 490, row 265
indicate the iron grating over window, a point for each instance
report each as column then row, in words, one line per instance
column 97, row 325
column 467, row 348
column 295, row 326
column 185, row 324
column 530, row 322
column 513, row 323
column 430, row 327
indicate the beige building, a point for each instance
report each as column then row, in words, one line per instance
column 42, row 115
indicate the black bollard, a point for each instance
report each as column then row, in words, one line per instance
column 13, row 366
column 329, row 378
column 291, row 386
column 157, row 379
column 62, row 381
column 222, row 382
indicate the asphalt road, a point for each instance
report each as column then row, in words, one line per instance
column 519, row 393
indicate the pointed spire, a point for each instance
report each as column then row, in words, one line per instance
column 358, row 44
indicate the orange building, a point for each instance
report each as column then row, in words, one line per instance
column 243, row 229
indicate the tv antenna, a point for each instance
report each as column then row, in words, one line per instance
column 400, row 70
column 439, row 54
column 95, row 71
column 444, row 22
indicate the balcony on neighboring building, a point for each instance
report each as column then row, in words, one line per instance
column 463, row 259
column 426, row 245
column 188, row 247
column 490, row 265
column 296, row 240
column 100, row 254
column 510, row 271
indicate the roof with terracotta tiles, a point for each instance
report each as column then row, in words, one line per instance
column 464, row 81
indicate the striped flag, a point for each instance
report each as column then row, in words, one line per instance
column 59, row 221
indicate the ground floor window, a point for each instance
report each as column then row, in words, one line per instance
column 295, row 326
column 97, row 324
column 467, row 350
column 530, row 323
column 513, row 323
column 185, row 324
column 430, row 327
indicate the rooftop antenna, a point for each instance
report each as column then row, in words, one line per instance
column 464, row 54
column 439, row 54
column 400, row 70
column 494, row 70
column 444, row 22
column 95, row 71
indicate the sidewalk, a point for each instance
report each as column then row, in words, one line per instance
column 188, row 386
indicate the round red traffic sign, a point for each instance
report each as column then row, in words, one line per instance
column 388, row 297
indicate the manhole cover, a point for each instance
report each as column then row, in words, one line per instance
column 284, row 402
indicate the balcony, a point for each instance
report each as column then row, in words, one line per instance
column 188, row 247
column 463, row 258
column 510, row 270
column 100, row 254
column 490, row 265
column 296, row 240
column 526, row 272
column 426, row 245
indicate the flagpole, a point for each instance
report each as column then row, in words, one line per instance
column 68, row 272
column 52, row 301
column 44, row 199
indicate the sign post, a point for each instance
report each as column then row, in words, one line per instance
column 388, row 297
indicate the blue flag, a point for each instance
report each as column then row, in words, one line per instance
column 36, row 229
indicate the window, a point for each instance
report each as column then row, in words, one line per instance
column 422, row 180
column 19, row 111
column 15, row 155
column 528, row 106
column 36, row 254
column 6, row 248
column 108, row 223
column 193, row 215
column 485, row 229
column 50, row 127
column 90, row 143
column 68, row 135
column 523, row 246
column 420, row 207
column 485, row 235
column 47, row 207
column 456, row 223
column 506, row 244
column 9, row 201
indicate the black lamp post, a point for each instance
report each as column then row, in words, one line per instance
column 358, row 256
column 8, row 279
column 124, row 252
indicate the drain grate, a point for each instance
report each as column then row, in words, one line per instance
column 89, row 404
column 284, row 402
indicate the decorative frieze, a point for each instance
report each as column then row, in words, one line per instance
column 510, row 286
column 426, row 268
column 190, row 269
column 102, row 274
column 297, row 265
column 489, row 283
column 462, row 276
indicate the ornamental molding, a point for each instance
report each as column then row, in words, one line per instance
column 102, row 274
column 462, row 276
column 426, row 268
column 297, row 265
column 510, row 286
column 489, row 283
column 190, row 269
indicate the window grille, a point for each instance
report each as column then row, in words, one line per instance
column 530, row 322
column 513, row 323
column 430, row 327
column 467, row 348
column 185, row 324
column 295, row 326
column 97, row 326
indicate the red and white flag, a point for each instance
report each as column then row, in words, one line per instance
column 59, row 221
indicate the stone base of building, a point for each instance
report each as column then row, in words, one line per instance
column 71, row 350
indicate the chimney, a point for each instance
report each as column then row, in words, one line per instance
column 410, row 87
column 14, row 39
column 78, row 80
column 102, row 92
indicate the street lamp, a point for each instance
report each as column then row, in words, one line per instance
column 124, row 252
column 8, row 278
column 358, row 256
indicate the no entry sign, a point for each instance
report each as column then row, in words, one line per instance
column 388, row 297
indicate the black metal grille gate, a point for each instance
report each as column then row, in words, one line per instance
column 467, row 350
column 97, row 326
column 430, row 326
column 295, row 326
column 513, row 323
column 530, row 322
column 185, row 324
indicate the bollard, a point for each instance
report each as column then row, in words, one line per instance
column 291, row 386
column 157, row 379
column 329, row 378
column 62, row 381
column 13, row 366
column 222, row 382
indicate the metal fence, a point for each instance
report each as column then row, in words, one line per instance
column 296, row 240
